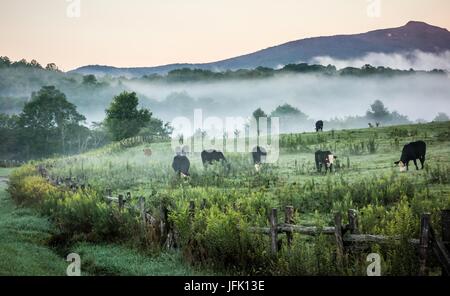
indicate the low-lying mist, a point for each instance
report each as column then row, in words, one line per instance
column 418, row 96
column 320, row 96
column 417, row 60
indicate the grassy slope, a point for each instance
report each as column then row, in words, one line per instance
column 119, row 260
column 23, row 237
column 24, row 251
column 111, row 169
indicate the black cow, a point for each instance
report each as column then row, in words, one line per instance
column 208, row 156
column 324, row 158
column 319, row 126
column 412, row 151
column 259, row 155
column 181, row 165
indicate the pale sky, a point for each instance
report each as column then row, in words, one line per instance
column 129, row 33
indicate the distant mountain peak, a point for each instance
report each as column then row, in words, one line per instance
column 419, row 25
column 414, row 36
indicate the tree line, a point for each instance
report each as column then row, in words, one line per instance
column 50, row 125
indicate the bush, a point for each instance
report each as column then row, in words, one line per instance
column 79, row 216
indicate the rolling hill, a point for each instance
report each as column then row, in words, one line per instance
column 408, row 38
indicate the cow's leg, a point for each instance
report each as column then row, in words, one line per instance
column 422, row 161
column 407, row 165
column 415, row 163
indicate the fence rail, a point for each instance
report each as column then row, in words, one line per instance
column 346, row 236
column 11, row 163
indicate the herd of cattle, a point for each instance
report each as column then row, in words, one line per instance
column 326, row 159
column 181, row 163
column 410, row 152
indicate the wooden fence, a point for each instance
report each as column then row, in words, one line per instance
column 11, row 163
column 346, row 236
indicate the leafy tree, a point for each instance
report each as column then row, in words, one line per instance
column 35, row 64
column 259, row 113
column 51, row 67
column 378, row 111
column 47, row 120
column 287, row 110
column 290, row 117
column 5, row 62
column 90, row 80
column 156, row 129
column 123, row 119
column 9, row 137
column 441, row 117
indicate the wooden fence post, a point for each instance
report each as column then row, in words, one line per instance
column 445, row 223
column 339, row 240
column 353, row 221
column 164, row 224
column 274, row 230
column 424, row 243
column 142, row 210
column 121, row 202
column 203, row 205
column 289, row 219
column 191, row 209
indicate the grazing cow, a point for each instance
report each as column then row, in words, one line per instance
column 412, row 151
column 370, row 125
column 208, row 156
column 324, row 158
column 181, row 165
column 319, row 126
column 259, row 157
column 148, row 152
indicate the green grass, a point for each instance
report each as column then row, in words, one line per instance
column 4, row 172
column 372, row 184
column 119, row 260
column 23, row 239
column 24, row 251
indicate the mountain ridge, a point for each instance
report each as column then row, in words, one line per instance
column 415, row 35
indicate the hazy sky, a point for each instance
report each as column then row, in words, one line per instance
column 154, row 32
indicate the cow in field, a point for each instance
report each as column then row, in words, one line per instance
column 208, row 156
column 181, row 165
column 319, row 126
column 412, row 151
column 259, row 155
column 148, row 152
column 325, row 158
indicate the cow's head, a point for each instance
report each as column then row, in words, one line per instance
column 401, row 166
column 330, row 160
column 258, row 167
column 185, row 150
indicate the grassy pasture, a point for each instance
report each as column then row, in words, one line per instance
column 365, row 178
